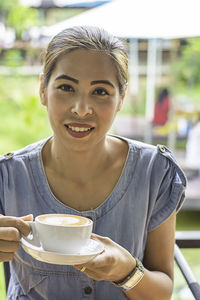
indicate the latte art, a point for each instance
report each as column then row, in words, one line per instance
column 64, row 233
column 64, row 220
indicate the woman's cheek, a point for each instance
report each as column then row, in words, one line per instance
column 59, row 101
column 108, row 108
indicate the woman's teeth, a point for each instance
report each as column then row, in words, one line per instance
column 78, row 129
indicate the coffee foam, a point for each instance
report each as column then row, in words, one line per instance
column 64, row 220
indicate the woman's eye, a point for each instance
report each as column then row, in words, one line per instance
column 65, row 88
column 100, row 92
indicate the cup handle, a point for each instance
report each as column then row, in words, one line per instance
column 32, row 237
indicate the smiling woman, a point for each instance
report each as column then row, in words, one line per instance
column 130, row 190
column 78, row 103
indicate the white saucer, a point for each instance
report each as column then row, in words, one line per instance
column 92, row 249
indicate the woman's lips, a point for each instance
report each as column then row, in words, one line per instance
column 78, row 130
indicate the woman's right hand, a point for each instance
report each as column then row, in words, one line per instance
column 11, row 229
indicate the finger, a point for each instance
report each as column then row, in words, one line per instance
column 9, row 234
column 106, row 241
column 78, row 267
column 96, row 236
column 90, row 273
column 93, row 275
column 99, row 263
column 27, row 218
column 103, row 239
column 95, row 264
column 9, row 246
column 21, row 225
column 6, row 256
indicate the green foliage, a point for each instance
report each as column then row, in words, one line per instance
column 187, row 69
column 6, row 6
column 23, row 119
column 58, row 15
column 13, row 58
column 2, row 283
column 17, row 16
column 22, row 18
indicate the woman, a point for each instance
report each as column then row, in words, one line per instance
column 131, row 190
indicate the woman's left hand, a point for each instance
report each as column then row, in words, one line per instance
column 113, row 264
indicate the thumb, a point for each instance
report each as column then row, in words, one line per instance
column 27, row 218
column 25, row 229
column 100, row 238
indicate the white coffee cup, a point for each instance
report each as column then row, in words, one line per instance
column 62, row 233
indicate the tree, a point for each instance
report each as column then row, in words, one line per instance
column 188, row 67
column 19, row 17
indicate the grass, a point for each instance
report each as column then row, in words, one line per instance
column 2, row 283
column 181, row 292
column 23, row 119
column 187, row 220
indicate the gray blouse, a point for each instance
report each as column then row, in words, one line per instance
column 149, row 189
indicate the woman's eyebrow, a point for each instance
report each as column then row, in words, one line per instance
column 67, row 77
column 102, row 81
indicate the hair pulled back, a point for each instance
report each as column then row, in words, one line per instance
column 89, row 38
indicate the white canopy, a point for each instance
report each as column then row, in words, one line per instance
column 143, row 19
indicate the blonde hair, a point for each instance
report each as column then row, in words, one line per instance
column 89, row 38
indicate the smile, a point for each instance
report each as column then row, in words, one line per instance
column 78, row 129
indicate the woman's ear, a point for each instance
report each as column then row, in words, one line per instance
column 122, row 98
column 120, row 104
column 42, row 90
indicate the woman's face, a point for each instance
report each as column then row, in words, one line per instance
column 82, row 98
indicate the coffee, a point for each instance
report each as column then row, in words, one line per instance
column 61, row 232
column 64, row 220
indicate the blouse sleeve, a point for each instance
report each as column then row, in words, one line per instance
column 170, row 191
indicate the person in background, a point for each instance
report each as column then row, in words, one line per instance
column 162, row 107
column 131, row 190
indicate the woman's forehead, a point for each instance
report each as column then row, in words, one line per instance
column 86, row 62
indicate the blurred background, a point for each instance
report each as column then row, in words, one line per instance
column 163, row 100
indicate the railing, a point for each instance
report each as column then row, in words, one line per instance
column 6, row 273
column 187, row 239
column 184, row 239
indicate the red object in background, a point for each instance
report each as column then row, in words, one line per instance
column 161, row 111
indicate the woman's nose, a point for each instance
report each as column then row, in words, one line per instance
column 81, row 107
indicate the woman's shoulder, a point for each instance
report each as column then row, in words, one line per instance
column 23, row 152
column 140, row 147
column 151, row 150
column 137, row 145
column 158, row 158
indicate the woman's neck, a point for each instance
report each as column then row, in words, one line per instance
column 80, row 166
